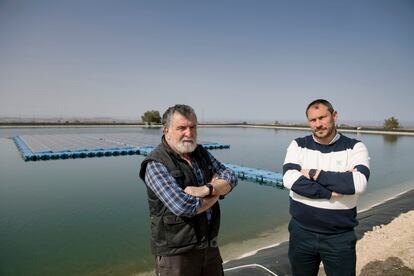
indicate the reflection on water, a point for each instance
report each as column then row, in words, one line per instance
column 90, row 216
column 391, row 139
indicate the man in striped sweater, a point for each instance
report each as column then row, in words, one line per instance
column 325, row 173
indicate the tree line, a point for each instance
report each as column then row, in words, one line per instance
column 153, row 117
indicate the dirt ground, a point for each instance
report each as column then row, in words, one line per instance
column 388, row 249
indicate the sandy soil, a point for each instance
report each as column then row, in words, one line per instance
column 388, row 249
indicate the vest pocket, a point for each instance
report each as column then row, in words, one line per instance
column 179, row 232
column 157, row 232
column 176, row 173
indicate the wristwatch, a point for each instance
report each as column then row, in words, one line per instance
column 210, row 189
column 312, row 173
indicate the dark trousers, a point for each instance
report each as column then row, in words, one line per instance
column 204, row 262
column 307, row 249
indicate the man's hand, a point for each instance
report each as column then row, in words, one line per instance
column 305, row 173
column 336, row 195
column 201, row 191
column 220, row 186
column 215, row 177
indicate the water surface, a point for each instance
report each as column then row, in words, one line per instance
column 90, row 216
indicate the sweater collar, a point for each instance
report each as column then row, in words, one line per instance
column 336, row 138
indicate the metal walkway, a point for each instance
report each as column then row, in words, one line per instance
column 72, row 146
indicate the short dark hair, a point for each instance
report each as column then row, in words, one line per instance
column 323, row 102
column 185, row 110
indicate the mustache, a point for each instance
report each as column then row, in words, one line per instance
column 188, row 140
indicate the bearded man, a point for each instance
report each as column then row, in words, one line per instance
column 184, row 183
column 325, row 172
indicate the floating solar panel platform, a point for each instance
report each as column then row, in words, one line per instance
column 71, row 146
column 65, row 146
column 264, row 177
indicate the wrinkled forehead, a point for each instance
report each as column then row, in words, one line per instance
column 179, row 119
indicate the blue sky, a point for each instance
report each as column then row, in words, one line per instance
column 231, row 60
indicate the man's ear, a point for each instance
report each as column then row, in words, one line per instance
column 335, row 116
column 165, row 130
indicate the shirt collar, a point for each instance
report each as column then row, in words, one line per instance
column 336, row 138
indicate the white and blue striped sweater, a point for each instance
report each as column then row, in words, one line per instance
column 310, row 201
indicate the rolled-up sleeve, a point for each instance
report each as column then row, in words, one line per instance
column 224, row 172
column 165, row 187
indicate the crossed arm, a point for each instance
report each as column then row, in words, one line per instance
column 220, row 188
column 305, row 173
column 326, row 184
column 192, row 200
column 222, row 182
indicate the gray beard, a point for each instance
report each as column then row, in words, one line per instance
column 185, row 147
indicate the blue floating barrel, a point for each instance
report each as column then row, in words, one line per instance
column 45, row 157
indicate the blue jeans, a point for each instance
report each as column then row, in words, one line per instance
column 307, row 249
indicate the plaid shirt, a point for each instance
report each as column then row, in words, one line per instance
column 160, row 181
